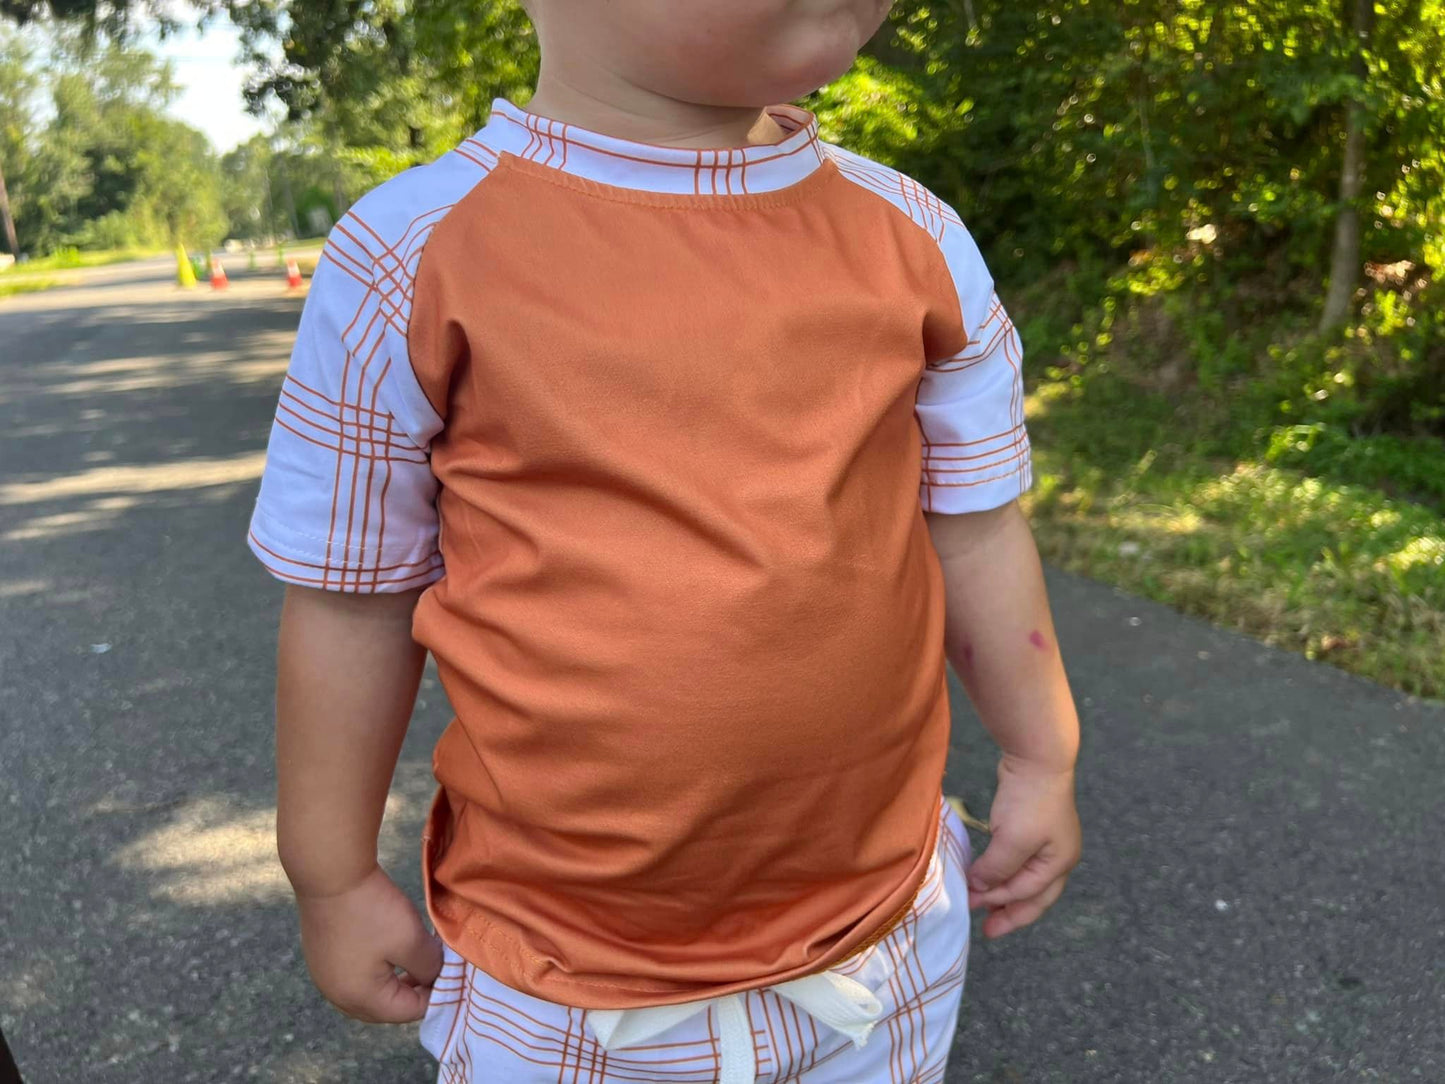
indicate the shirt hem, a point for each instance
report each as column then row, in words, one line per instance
column 505, row 959
column 350, row 571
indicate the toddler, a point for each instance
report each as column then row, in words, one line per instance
column 689, row 446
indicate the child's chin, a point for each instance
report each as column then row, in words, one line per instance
column 761, row 89
column 805, row 76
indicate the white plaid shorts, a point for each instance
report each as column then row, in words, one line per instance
column 482, row 1032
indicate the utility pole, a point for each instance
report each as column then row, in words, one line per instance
column 5, row 215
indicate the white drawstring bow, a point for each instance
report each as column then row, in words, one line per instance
column 846, row 1006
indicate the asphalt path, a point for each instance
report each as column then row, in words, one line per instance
column 1262, row 896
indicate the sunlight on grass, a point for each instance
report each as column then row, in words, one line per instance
column 1418, row 551
column 71, row 258
column 1158, row 518
column 1337, row 572
column 26, row 286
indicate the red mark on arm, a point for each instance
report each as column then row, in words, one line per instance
column 968, row 655
column 1037, row 639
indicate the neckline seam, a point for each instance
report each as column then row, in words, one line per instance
column 651, row 197
column 550, row 131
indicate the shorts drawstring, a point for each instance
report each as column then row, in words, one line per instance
column 846, row 1006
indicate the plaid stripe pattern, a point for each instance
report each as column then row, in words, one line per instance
column 726, row 172
column 957, row 456
column 347, row 501
column 483, row 1032
column 971, row 404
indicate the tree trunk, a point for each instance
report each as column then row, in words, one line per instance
column 338, row 193
column 5, row 216
column 290, row 202
column 1345, row 260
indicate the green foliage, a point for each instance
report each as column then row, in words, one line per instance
column 875, row 109
column 248, row 194
column 1411, row 468
column 1075, row 131
column 1337, row 570
column 28, row 285
column 65, row 257
column 1156, row 185
column 106, row 168
column 115, row 17
column 70, row 258
column 407, row 78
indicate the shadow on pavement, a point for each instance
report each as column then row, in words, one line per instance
column 146, row 933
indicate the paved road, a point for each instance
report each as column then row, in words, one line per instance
column 1262, row 897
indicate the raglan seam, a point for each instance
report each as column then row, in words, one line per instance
column 451, row 210
column 936, row 239
column 1017, row 465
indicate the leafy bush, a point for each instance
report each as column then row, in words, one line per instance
column 65, row 256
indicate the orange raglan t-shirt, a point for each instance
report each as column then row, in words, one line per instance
column 656, row 428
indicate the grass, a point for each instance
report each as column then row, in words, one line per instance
column 31, row 277
column 28, row 277
column 26, row 285
column 69, row 259
column 306, row 253
column 1175, row 495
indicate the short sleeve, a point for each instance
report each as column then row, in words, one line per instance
column 971, row 405
column 348, row 498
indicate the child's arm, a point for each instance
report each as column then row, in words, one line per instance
column 1000, row 638
column 347, row 675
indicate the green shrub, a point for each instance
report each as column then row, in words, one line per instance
column 66, row 256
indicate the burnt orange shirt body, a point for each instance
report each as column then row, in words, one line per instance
column 680, row 426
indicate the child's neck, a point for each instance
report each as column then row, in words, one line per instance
column 628, row 112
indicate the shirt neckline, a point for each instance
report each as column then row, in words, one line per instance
column 622, row 163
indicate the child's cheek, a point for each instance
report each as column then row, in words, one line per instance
column 751, row 52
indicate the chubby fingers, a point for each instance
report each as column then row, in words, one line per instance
column 1019, row 913
column 418, row 952
column 1001, row 859
column 1036, row 873
column 404, row 997
column 399, row 1002
column 381, row 995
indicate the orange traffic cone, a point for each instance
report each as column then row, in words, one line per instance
column 218, row 275
column 293, row 274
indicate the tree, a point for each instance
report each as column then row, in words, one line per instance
column 18, row 86
column 396, row 76
column 107, row 167
column 115, row 17
column 5, row 215
column 1070, row 133
column 1345, row 260
column 246, row 193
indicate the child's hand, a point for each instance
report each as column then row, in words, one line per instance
column 355, row 939
column 1035, row 843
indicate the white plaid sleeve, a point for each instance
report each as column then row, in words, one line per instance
column 971, row 405
column 348, row 499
